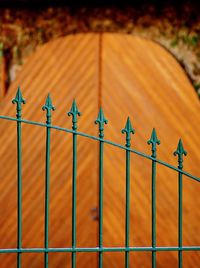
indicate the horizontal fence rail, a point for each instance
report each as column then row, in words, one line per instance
column 128, row 130
column 105, row 141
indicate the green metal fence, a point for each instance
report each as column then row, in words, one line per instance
column 128, row 130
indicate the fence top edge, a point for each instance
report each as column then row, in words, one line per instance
column 104, row 140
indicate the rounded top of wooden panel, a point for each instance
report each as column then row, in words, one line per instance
column 127, row 76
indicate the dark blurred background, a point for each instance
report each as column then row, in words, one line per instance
column 27, row 24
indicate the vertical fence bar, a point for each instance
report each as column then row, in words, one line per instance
column 48, row 107
column 74, row 112
column 128, row 130
column 180, row 152
column 19, row 193
column 127, row 221
column 100, row 203
column 19, row 100
column 180, row 219
column 101, row 121
column 153, row 141
column 153, row 213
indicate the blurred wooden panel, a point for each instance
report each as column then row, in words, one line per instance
column 142, row 80
column 68, row 69
column 132, row 76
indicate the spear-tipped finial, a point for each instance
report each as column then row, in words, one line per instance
column 153, row 140
column 101, row 120
column 48, row 107
column 74, row 112
column 19, row 100
column 180, row 151
column 128, row 130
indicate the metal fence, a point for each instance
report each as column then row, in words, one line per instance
column 128, row 130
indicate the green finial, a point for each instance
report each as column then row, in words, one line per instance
column 74, row 112
column 48, row 107
column 128, row 130
column 101, row 120
column 153, row 140
column 19, row 100
column 180, row 151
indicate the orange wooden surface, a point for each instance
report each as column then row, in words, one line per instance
column 131, row 76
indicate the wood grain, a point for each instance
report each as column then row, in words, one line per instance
column 138, row 78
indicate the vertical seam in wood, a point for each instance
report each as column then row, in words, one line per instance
column 99, row 103
column 100, row 70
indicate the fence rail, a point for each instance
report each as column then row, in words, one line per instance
column 128, row 130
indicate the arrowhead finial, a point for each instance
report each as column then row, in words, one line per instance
column 19, row 100
column 48, row 107
column 180, row 151
column 128, row 130
column 101, row 120
column 153, row 140
column 74, row 112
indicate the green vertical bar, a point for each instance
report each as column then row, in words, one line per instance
column 180, row 152
column 100, row 203
column 74, row 199
column 48, row 107
column 47, row 189
column 19, row 193
column 19, row 100
column 74, row 112
column 128, row 130
column 153, row 141
column 153, row 213
column 127, row 221
column 101, row 121
column 180, row 219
